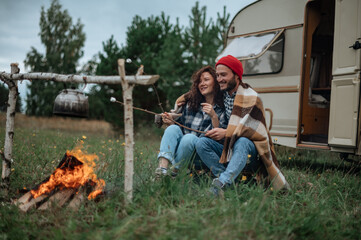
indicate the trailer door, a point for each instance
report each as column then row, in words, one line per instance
column 345, row 87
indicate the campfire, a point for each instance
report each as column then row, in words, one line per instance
column 71, row 182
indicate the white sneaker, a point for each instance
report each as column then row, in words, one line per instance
column 161, row 172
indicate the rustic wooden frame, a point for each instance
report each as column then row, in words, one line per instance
column 127, row 82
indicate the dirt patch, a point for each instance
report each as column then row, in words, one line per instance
column 59, row 123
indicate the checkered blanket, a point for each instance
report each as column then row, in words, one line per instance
column 248, row 120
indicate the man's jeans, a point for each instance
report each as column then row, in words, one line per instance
column 178, row 148
column 244, row 152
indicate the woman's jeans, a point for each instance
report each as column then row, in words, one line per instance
column 178, row 148
column 244, row 156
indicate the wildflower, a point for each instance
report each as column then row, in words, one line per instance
column 34, row 134
column 117, row 141
column 249, row 155
column 54, row 146
column 141, row 153
column 109, row 140
column 109, row 149
column 289, row 158
column 271, row 188
column 84, row 137
column 123, row 144
column 244, row 178
column 13, row 169
column 24, row 188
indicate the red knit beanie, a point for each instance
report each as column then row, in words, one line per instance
column 233, row 63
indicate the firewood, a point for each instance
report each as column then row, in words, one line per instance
column 58, row 195
column 78, row 199
column 58, row 199
column 27, row 202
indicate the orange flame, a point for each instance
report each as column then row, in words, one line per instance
column 74, row 177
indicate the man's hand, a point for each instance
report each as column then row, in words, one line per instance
column 216, row 133
column 180, row 101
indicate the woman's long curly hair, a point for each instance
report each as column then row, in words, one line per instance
column 194, row 96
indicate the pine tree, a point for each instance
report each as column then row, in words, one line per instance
column 99, row 105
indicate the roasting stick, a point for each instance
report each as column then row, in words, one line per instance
column 112, row 99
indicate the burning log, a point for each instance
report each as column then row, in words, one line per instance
column 58, row 199
column 70, row 182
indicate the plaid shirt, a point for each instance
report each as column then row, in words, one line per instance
column 228, row 103
column 200, row 120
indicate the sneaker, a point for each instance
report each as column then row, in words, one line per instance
column 174, row 172
column 161, row 172
column 217, row 188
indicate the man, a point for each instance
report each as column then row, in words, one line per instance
column 245, row 137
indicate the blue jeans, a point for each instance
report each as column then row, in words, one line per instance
column 178, row 148
column 244, row 155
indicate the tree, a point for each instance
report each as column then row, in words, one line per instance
column 187, row 50
column 203, row 39
column 99, row 105
column 145, row 43
column 63, row 43
column 172, row 68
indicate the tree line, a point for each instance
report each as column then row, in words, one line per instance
column 172, row 51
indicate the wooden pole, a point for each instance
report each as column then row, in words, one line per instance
column 129, row 133
column 141, row 80
column 9, row 132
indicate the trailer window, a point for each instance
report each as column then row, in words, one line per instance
column 259, row 54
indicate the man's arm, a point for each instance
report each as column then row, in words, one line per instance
column 183, row 99
column 216, row 133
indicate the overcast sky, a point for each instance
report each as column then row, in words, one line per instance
column 19, row 22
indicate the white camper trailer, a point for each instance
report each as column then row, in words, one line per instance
column 304, row 58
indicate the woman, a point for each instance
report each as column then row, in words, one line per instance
column 204, row 110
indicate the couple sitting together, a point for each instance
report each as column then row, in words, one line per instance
column 224, row 130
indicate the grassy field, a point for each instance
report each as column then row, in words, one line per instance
column 324, row 203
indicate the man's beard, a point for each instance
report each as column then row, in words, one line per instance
column 231, row 84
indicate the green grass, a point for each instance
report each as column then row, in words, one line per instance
column 324, row 203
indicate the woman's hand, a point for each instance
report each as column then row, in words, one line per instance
column 208, row 108
column 167, row 118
